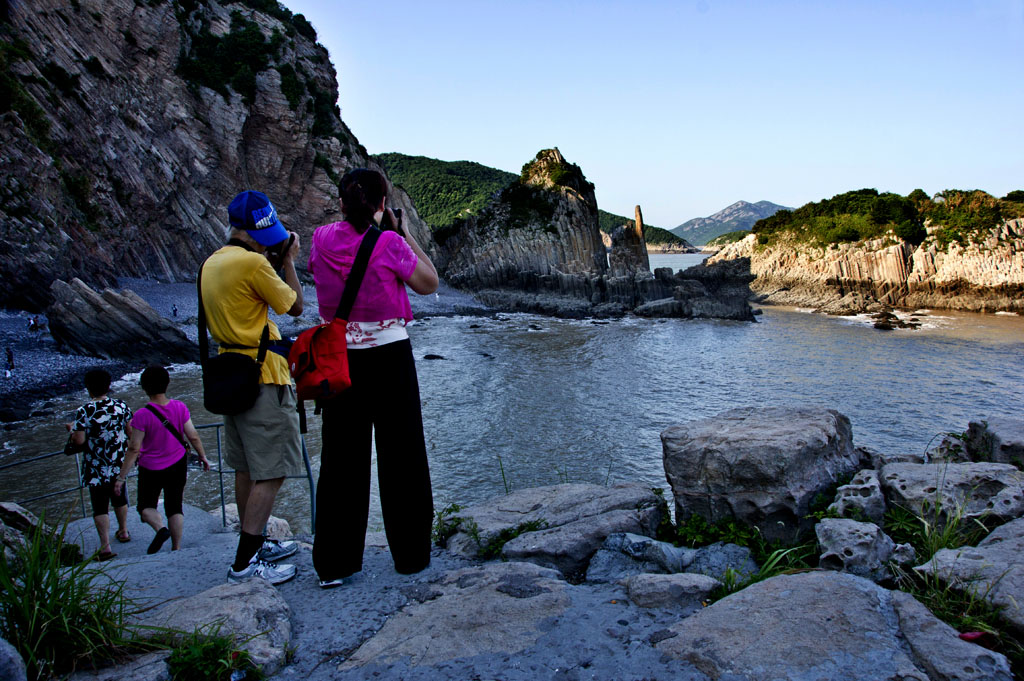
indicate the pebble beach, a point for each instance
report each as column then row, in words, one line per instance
column 42, row 371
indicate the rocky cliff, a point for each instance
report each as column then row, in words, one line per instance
column 128, row 126
column 541, row 225
column 984, row 275
column 628, row 254
column 538, row 248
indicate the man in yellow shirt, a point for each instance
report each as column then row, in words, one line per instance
column 262, row 444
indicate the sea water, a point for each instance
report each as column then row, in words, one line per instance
column 520, row 400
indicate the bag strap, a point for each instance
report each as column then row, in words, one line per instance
column 355, row 276
column 167, row 424
column 204, row 343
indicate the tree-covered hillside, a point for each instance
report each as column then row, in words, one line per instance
column 956, row 215
column 443, row 191
column 728, row 238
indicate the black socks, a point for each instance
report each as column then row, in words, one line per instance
column 248, row 545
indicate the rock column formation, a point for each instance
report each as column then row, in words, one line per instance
column 983, row 276
column 120, row 161
column 628, row 255
column 538, row 248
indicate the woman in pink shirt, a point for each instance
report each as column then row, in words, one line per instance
column 384, row 400
column 161, row 456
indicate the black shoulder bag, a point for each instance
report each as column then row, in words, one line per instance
column 231, row 380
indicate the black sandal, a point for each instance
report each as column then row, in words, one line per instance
column 162, row 535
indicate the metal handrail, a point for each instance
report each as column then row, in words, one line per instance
column 219, row 470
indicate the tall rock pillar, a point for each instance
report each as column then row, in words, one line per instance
column 629, row 250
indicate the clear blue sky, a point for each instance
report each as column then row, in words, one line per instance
column 685, row 107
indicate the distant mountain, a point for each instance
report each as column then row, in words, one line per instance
column 739, row 216
column 445, row 191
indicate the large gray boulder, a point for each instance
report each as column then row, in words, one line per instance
column 17, row 524
column 17, row 517
column 762, row 466
column 682, row 591
column 973, row 490
column 495, row 608
column 826, row 626
column 998, row 438
column 991, row 570
column 859, row 548
column 861, row 498
column 558, row 525
column 938, row 649
column 878, row 459
column 254, row 612
column 720, row 559
column 12, row 667
column 113, row 325
column 11, row 542
column 665, row 556
column 609, row 567
column 148, row 667
column 625, row 554
column 568, row 548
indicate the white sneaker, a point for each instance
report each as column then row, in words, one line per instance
column 331, row 583
column 274, row 550
column 275, row 574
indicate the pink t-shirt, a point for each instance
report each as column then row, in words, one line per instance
column 159, row 448
column 382, row 294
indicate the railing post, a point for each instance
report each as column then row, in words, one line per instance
column 312, row 489
column 220, row 477
column 81, row 485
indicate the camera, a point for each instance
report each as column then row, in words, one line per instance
column 276, row 253
column 387, row 223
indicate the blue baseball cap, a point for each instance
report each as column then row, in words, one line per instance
column 253, row 212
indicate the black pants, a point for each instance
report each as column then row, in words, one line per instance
column 102, row 497
column 170, row 480
column 384, row 399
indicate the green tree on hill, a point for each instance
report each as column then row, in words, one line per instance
column 957, row 215
column 444, row 191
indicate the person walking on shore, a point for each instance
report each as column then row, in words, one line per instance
column 384, row 399
column 10, row 358
column 262, row 444
column 102, row 427
column 158, row 444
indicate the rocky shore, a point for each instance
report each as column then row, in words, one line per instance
column 44, row 370
column 581, row 581
column 986, row 275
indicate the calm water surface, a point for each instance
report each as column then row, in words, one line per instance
column 520, row 400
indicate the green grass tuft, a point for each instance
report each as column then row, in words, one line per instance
column 60, row 617
column 208, row 655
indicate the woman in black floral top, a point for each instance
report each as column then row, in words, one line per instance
column 102, row 424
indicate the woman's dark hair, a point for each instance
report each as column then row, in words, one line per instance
column 361, row 190
column 97, row 382
column 154, row 380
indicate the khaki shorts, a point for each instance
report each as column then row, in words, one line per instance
column 264, row 441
